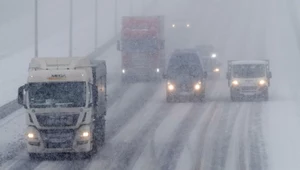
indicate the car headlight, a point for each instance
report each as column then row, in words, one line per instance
column 235, row 82
column 157, row 70
column 262, row 82
column 216, row 70
column 173, row 25
column 214, row 55
column 123, row 71
column 188, row 25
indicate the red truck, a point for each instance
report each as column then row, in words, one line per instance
column 142, row 47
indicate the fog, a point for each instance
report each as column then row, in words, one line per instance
column 143, row 131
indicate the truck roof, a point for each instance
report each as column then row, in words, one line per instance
column 64, row 69
column 63, row 63
column 235, row 62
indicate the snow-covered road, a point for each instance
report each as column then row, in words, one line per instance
column 145, row 132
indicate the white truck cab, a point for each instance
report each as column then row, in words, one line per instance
column 249, row 78
column 65, row 103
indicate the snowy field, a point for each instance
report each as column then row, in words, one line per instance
column 145, row 132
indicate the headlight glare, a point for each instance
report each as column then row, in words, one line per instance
column 85, row 134
column 262, row 82
column 216, row 70
column 171, row 87
column 31, row 135
column 197, row 86
column 235, row 82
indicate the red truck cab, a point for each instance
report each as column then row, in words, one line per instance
column 142, row 47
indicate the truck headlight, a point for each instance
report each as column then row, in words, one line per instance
column 31, row 135
column 235, row 83
column 262, row 82
column 216, row 70
column 85, row 134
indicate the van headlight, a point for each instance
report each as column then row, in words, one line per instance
column 216, row 70
column 214, row 55
column 235, row 83
column 262, row 82
column 171, row 87
column 197, row 86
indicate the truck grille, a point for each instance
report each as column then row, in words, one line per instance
column 249, row 88
column 57, row 120
column 62, row 138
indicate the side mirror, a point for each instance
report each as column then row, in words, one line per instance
column 270, row 75
column 118, row 46
column 21, row 95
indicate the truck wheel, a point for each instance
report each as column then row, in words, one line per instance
column 34, row 156
column 99, row 133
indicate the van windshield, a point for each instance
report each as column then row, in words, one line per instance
column 187, row 64
column 249, row 71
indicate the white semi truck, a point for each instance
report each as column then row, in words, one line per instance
column 249, row 78
column 65, row 101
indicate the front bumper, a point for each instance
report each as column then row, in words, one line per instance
column 248, row 90
column 67, row 143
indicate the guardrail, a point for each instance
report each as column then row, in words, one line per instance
column 13, row 106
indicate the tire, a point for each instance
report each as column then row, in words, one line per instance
column 233, row 97
column 99, row 132
column 170, row 99
column 34, row 156
column 266, row 95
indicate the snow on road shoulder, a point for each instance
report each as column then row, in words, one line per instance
column 281, row 121
column 12, row 132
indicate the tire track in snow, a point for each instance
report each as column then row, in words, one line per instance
column 258, row 155
column 172, row 150
column 126, row 148
column 220, row 137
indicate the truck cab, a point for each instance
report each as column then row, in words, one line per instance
column 185, row 76
column 65, row 103
column 142, row 48
column 249, row 78
column 210, row 59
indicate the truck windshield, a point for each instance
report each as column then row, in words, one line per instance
column 139, row 45
column 58, row 94
column 180, row 65
column 249, row 70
